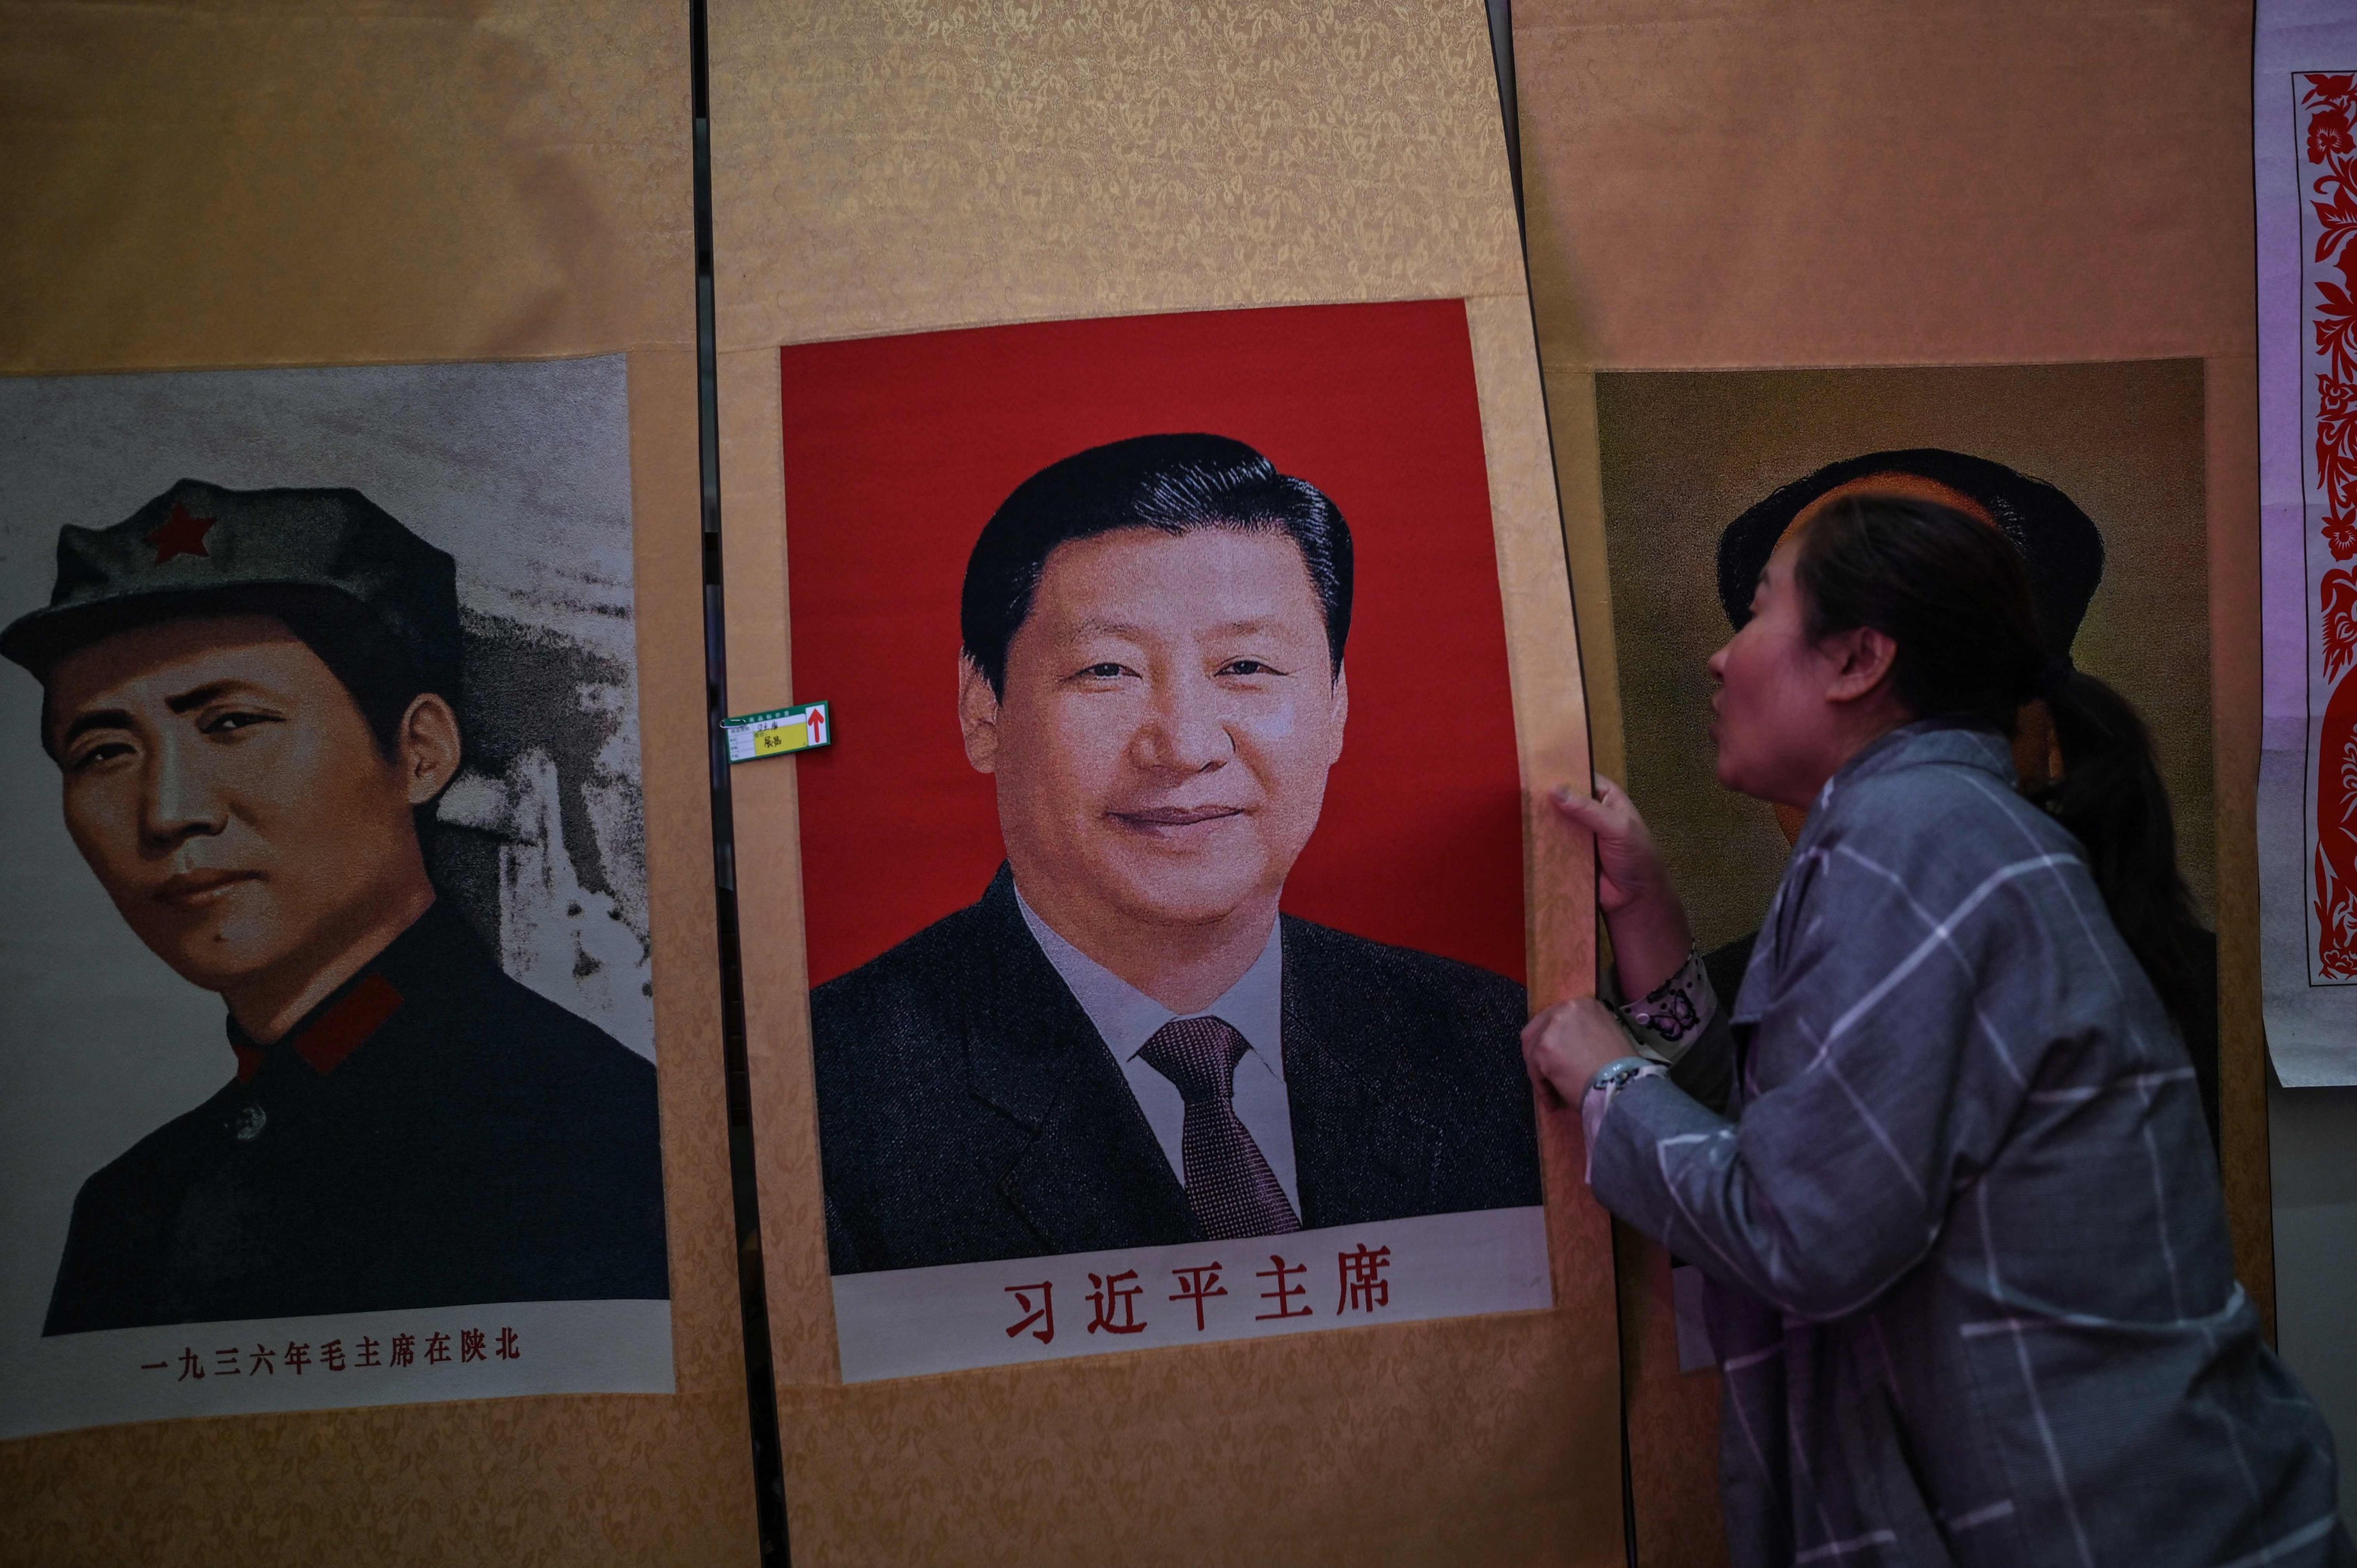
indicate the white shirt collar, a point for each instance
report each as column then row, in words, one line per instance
column 1126, row 1017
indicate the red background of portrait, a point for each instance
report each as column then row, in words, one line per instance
column 898, row 449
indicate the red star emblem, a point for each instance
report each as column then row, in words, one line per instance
column 181, row 534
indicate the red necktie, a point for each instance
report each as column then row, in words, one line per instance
column 1230, row 1187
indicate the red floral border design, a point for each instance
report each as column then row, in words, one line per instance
column 2328, row 105
column 2329, row 102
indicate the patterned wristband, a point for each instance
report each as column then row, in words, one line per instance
column 1666, row 1022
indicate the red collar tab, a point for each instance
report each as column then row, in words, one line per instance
column 335, row 1034
column 346, row 1026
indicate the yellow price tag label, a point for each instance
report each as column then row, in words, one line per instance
column 780, row 732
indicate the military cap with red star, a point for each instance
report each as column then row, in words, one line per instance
column 201, row 549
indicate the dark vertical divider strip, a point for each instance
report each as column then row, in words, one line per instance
column 1501, row 55
column 760, row 1396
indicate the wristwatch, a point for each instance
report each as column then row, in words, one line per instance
column 1615, row 1075
column 1610, row 1079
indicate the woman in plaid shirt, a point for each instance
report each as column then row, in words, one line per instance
column 1942, row 1157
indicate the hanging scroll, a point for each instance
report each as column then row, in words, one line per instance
column 2306, row 155
column 989, row 244
column 1020, row 868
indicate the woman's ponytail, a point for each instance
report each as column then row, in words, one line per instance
column 2110, row 795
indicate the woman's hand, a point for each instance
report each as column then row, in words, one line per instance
column 1629, row 870
column 1566, row 1045
column 1650, row 938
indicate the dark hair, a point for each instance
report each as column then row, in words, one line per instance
column 1171, row 483
column 2059, row 542
column 1953, row 596
column 370, row 664
column 382, row 680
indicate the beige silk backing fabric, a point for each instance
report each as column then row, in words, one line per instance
column 352, row 184
column 341, row 183
column 1753, row 183
column 895, row 168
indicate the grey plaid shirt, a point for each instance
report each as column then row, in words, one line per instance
column 1970, row 1285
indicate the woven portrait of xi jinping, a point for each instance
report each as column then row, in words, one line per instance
column 1162, row 886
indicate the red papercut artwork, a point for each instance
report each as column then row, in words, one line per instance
column 2328, row 102
column 2328, row 106
column 2336, row 836
column 2339, row 625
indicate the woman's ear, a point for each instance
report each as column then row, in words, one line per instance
column 1862, row 658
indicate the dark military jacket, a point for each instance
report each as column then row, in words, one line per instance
column 432, row 1134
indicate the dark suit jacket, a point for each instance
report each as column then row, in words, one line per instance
column 968, row 1111
column 433, row 1134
